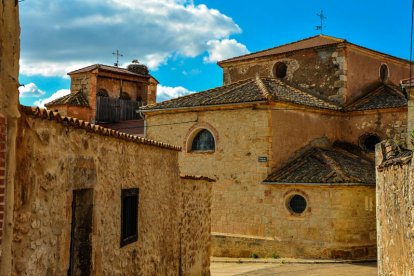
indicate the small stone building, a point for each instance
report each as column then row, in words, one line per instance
column 290, row 139
column 108, row 94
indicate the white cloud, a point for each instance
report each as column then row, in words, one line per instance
column 223, row 49
column 30, row 90
column 60, row 35
column 56, row 95
column 166, row 92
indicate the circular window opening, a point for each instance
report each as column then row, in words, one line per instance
column 297, row 204
column 369, row 141
column 279, row 70
column 384, row 72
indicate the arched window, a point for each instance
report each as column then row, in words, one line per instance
column 368, row 141
column 125, row 96
column 280, row 70
column 203, row 141
column 384, row 72
column 102, row 93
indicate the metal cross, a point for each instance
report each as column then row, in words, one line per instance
column 322, row 17
column 117, row 54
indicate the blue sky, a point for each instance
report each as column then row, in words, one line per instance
column 181, row 40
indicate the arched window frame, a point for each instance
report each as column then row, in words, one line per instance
column 192, row 133
column 197, row 136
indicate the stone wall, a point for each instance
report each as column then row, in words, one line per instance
column 395, row 211
column 196, row 229
column 364, row 71
column 56, row 159
column 319, row 70
column 339, row 223
column 3, row 172
column 243, row 206
column 132, row 88
column 9, row 64
column 81, row 82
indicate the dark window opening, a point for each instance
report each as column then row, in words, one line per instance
column 102, row 93
column 297, row 204
column 369, row 141
column 129, row 216
column 125, row 96
column 204, row 141
column 384, row 72
column 280, row 70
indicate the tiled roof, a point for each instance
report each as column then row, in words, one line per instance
column 311, row 42
column 328, row 165
column 76, row 123
column 106, row 68
column 276, row 90
column 307, row 43
column 384, row 96
column 247, row 91
column 73, row 99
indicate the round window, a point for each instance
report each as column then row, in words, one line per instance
column 369, row 141
column 297, row 204
column 279, row 70
column 384, row 72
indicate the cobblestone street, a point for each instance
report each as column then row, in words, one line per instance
column 309, row 269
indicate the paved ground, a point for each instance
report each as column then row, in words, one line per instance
column 267, row 269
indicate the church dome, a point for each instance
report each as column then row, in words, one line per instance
column 137, row 68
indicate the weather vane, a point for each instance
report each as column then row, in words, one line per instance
column 117, row 54
column 322, row 17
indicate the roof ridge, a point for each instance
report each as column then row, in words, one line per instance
column 286, row 44
column 263, row 88
column 230, row 90
column 335, row 166
column 381, row 86
column 204, row 91
column 77, row 123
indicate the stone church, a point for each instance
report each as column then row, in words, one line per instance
column 290, row 139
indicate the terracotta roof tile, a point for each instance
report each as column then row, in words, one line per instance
column 383, row 96
column 276, row 90
column 311, row 42
column 106, row 68
column 318, row 41
column 325, row 165
column 247, row 91
column 76, row 123
column 73, row 99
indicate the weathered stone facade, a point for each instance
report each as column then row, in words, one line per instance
column 55, row 160
column 340, row 71
column 60, row 157
column 251, row 217
column 3, row 170
column 108, row 81
column 328, row 67
column 196, row 206
column 395, row 211
column 9, row 64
